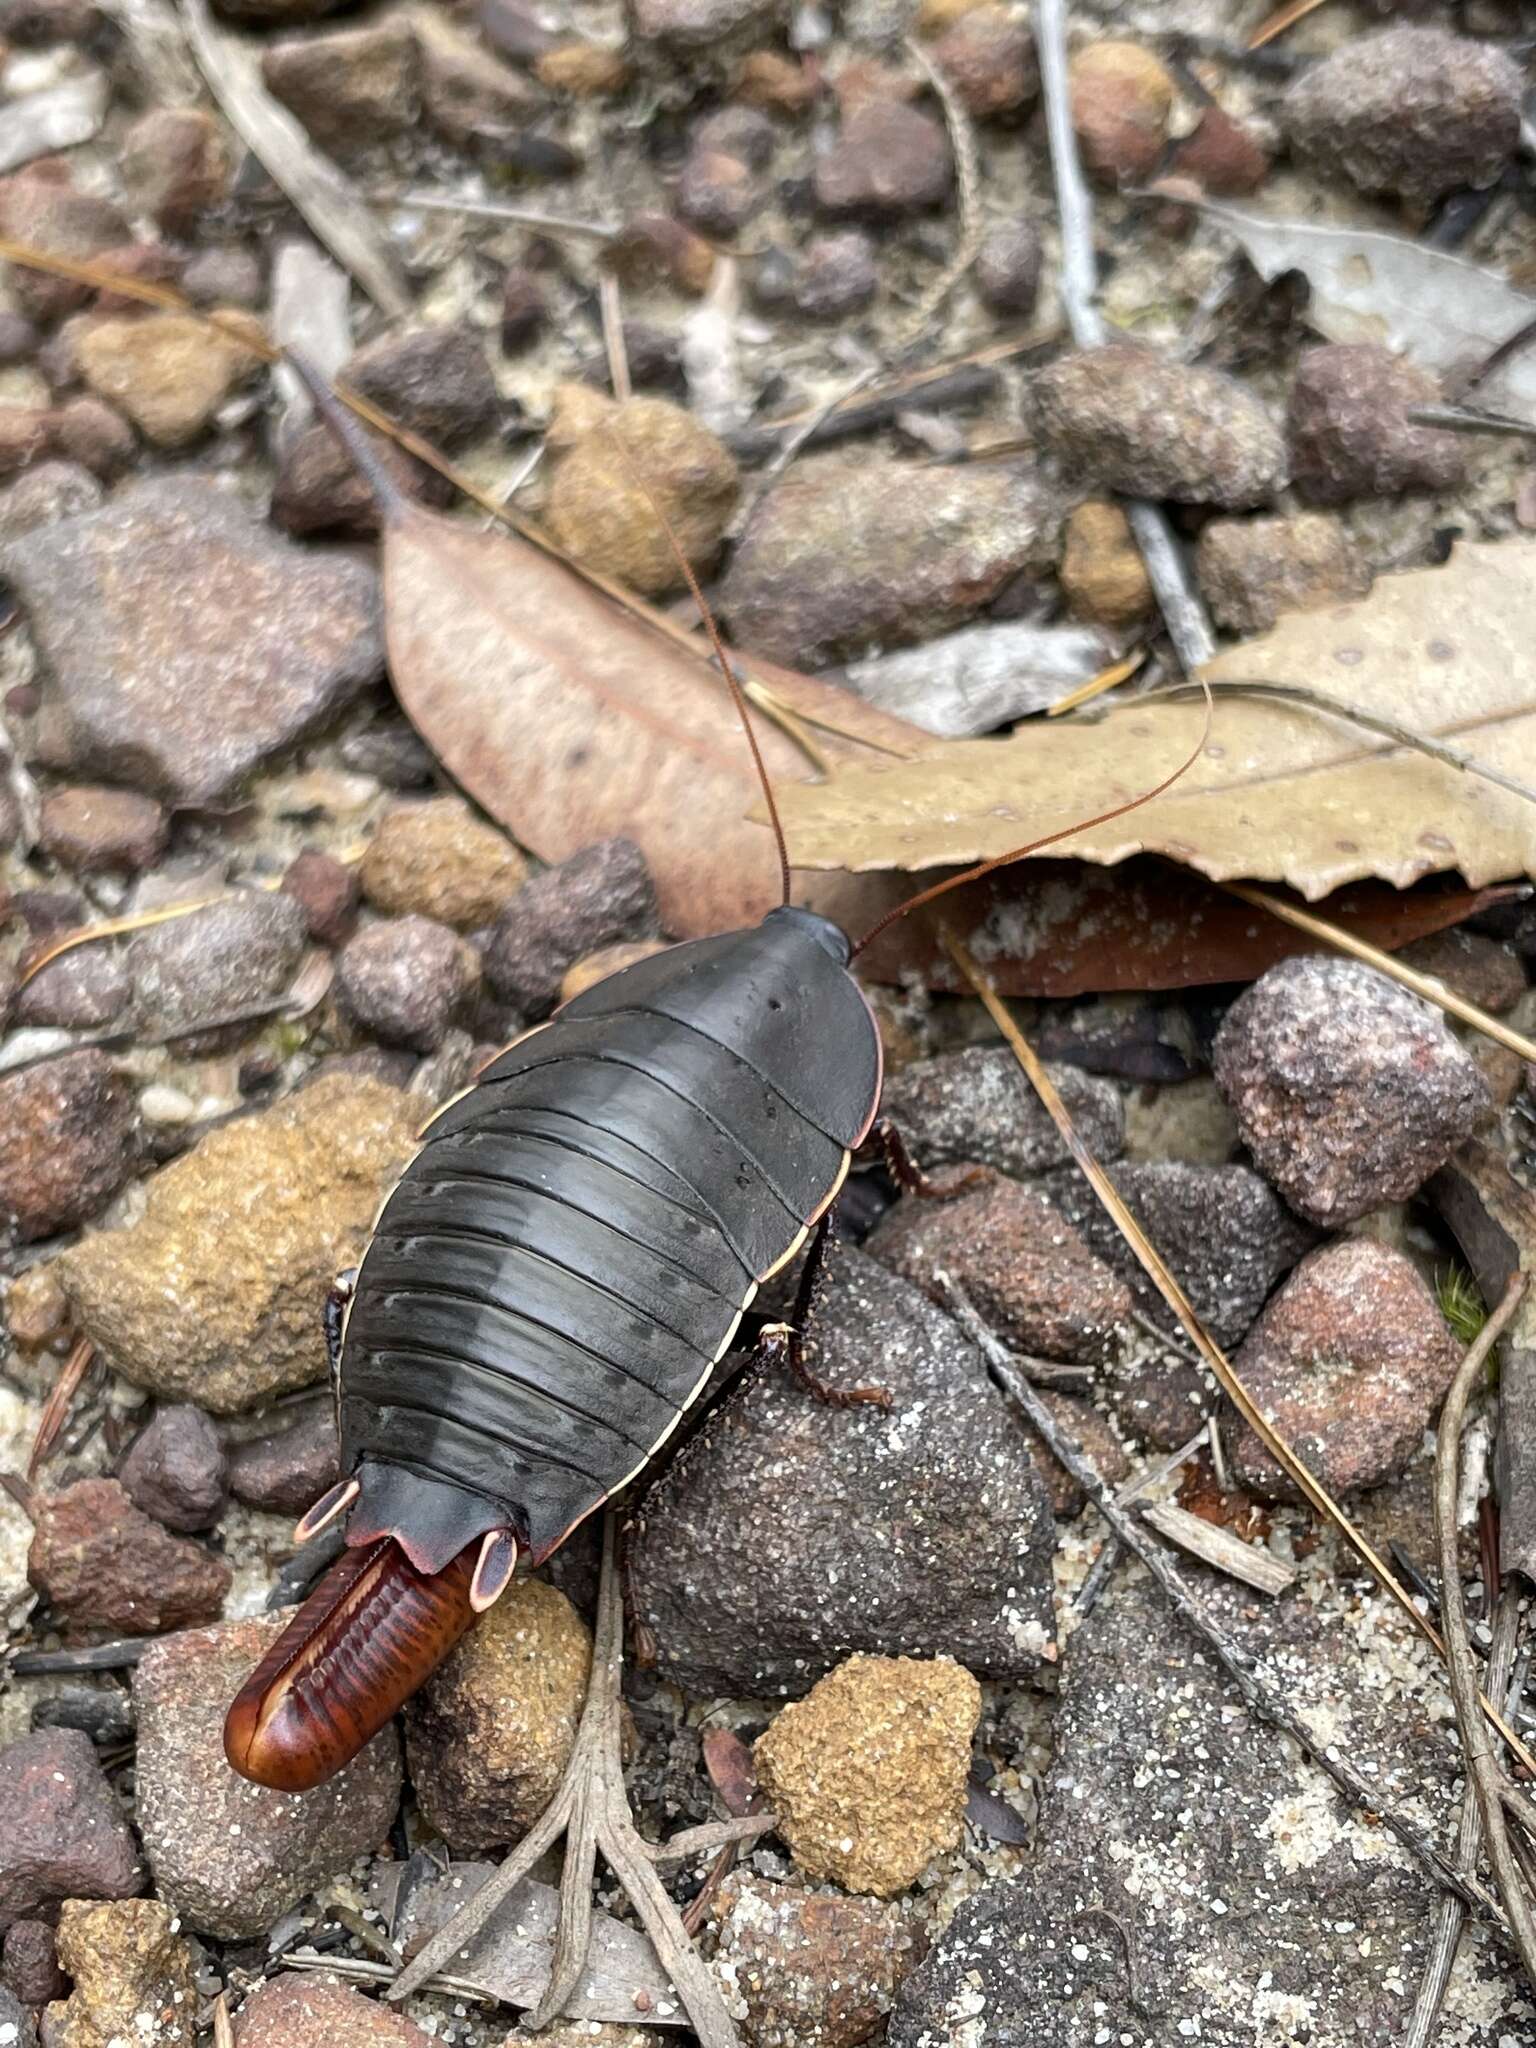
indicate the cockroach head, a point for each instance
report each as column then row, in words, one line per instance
column 829, row 936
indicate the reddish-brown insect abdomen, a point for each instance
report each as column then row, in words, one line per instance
column 373, row 1630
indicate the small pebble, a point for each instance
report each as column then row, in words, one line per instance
column 888, row 161
column 1008, row 267
column 1349, row 431
column 1252, row 570
column 599, row 897
column 1410, row 111
column 435, row 380
column 213, row 1294
column 586, row 71
column 988, row 56
column 404, row 979
column 68, row 1142
column 92, row 433
column 26, row 436
column 130, row 1965
column 835, row 276
column 42, row 206
column 103, row 1564
column 327, row 891
column 64, row 1835
column 1121, row 101
column 176, row 1469
column 392, row 752
column 306, row 2011
column 768, row 78
column 1142, row 423
column 82, row 990
column 46, row 494
column 977, row 1106
column 320, row 490
column 219, row 962
column 286, row 1473
column 812, row 1969
column 702, row 24
column 852, row 551
column 224, row 276
column 18, row 337
column 469, row 96
column 605, row 517
column 524, row 309
column 439, row 859
column 652, row 247
column 718, row 193
column 1348, row 1091
column 89, row 829
column 1102, row 571
column 1350, row 1362
column 1019, row 1260
column 30, row 1967
column 229, row 1857
column 168, row 372
column 176, row 166
column 352, row 89
column 1222, row 155
column 868, row 1772
column 488, row 1737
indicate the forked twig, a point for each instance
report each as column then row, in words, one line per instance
column 1451, row 1915
column 1156, row 1268
column 1483, row 1766
column 1234, row 1660
column 592, row 1811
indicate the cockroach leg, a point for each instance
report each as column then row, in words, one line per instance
column 591, row 1809
column 785, row 1344
column 886, row 1143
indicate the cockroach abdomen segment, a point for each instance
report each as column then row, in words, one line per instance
column 372, row 1632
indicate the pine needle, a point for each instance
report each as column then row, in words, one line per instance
column 1106, row 679
column 1237, row 1393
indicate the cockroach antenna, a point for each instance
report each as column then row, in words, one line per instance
column 738, row 695
column 1003, row 860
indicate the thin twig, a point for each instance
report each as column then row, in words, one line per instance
column 1235, row 1660
column 1282, row 19
column 1369, row 721
column 1451, row 1915
column 962, row 142
column 1188, row 627
column 612, row 307
column 56, row 1408
column 1512, row 345
column 1156, row 1268
column 495, row 209
column 1483, row 1765
column 1466, row 419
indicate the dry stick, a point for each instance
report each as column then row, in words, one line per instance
column 612, row 309
column 1237, row 1393
column 315, row 187
column 493, row 209
column 1235, row 1660
column 1483, row 1765
column 1451, row 1915
column 1183, row 614
column 1282, row 19
column 1424, row 985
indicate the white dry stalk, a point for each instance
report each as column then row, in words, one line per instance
column 711, row 365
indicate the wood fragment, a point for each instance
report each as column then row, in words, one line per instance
column 1219, row 1548
column 1234, row 1659
column 319, row 190
column 611, row 303
column 1483, row 1764
column 957, row 387
column 1154, row 1265
column 1183, row 614
column 60, row 1400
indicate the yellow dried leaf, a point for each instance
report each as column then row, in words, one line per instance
column 1281, row 793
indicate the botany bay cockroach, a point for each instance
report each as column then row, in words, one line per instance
column 551, row 1283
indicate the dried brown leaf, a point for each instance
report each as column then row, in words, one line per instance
column 569, row 719
column 1283, row 792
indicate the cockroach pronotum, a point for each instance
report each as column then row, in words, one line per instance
column 554, row 1278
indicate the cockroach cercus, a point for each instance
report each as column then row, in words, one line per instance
column 551, row 1283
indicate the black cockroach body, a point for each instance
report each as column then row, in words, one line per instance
column 547, row 1291
column 550, row 1285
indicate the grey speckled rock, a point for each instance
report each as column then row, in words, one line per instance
column 977, row 1105
column 64, row 1836
column 228, row 1856
column 1348, row 1091
column 1261, row 1910
column 1411, row 111
column 216, row 963
column 1132, row 420
column 183, row 643
column 788, row 1534
column 848, row 552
